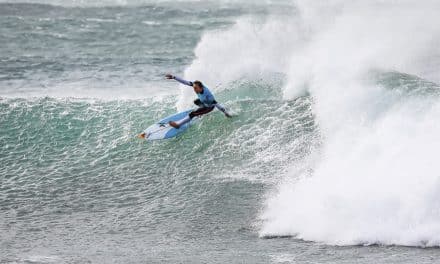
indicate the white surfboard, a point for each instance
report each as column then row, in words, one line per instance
column 162, row 130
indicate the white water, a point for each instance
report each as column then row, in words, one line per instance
column 376, row 178
column 251, row 49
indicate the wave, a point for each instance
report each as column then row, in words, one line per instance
column 337, row 107
column 371, row 70
column 252, row 49
column 376, row 180
column 94, row 128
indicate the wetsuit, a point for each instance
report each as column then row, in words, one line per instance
column 206, row 102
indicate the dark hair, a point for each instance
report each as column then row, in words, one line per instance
column 198, row 83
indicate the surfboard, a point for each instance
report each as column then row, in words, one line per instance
column 162, row 130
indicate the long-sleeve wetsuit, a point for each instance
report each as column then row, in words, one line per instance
column 206, row 102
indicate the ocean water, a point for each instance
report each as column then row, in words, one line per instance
column 332, row 156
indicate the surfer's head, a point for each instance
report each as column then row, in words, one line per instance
column 198, row 86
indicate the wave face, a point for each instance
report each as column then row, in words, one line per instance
column 335, row 138
column 73, row 175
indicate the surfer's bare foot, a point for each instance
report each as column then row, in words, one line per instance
column 174, row 124
column 142, row 135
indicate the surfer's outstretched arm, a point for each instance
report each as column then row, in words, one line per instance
column 182, row 81
column 223, row 109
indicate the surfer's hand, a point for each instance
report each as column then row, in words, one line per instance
column 169, row 76
column 228, row 115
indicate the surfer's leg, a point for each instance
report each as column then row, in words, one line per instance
column 200, row 111
column 180, row 122
column 174, row 124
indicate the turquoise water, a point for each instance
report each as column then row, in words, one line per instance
column 79, row 81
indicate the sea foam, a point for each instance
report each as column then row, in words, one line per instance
column 375, row 178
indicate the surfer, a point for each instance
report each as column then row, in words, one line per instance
column 206, row 101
